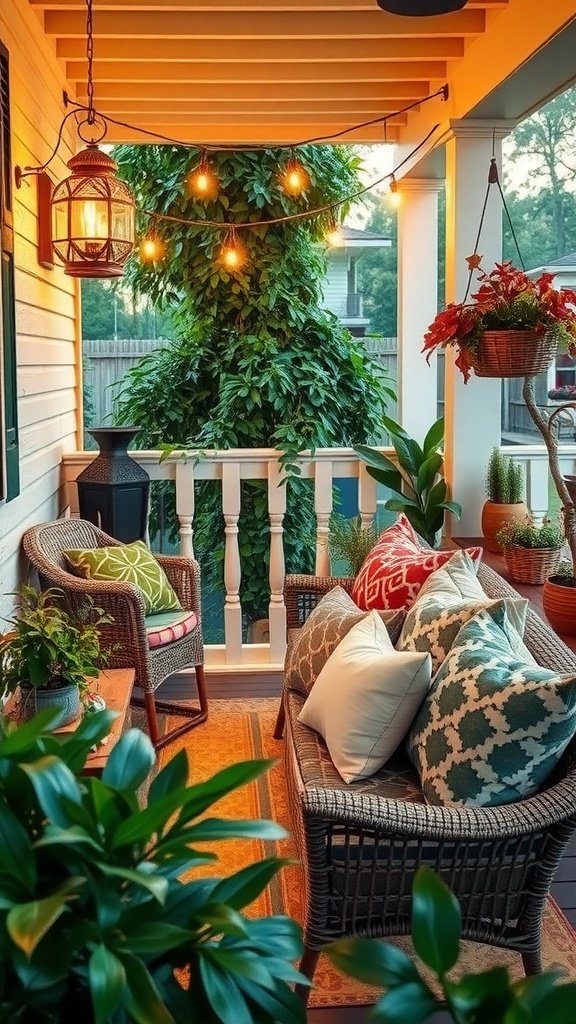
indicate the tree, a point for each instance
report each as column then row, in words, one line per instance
column 256, row 360
column 105, row 313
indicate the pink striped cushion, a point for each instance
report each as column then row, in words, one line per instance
column 164, row 629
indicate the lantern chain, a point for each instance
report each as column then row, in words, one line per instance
column 90, row 59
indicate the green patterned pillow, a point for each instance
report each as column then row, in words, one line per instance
column 130, row 563
column 449, row 598
column 491, row 728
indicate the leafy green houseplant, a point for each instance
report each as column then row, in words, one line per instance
column 417, row 480
column 50, row 656
column 507, row 300
column 532, row 551
column 505, row 494
column 489, row 997
column 98, row 925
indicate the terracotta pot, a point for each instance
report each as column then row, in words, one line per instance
column 531, row 565
column 494, row 516
column 559, row 600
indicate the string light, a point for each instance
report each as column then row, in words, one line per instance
column 203, row 180
column 233, row 255
column 294, row 177
column 394, row 197
column 151, row 249
column 334, row 236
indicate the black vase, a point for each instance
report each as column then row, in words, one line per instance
column 113, row 491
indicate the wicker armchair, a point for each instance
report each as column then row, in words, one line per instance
column 362, row 844
column 126, row 636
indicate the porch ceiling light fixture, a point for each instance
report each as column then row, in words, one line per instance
column 92, row 210
column 421, row 8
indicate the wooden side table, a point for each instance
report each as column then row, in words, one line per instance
column 115, row 686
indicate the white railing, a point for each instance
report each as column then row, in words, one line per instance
column 231, row 468
column 326, row 465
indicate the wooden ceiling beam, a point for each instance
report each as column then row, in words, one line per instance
column 213, row 51
column 142, row 24
column 270, row 133
column 157, row 115
column 127, row 71
column 354, row 110
column 395, row 93
column 248, row 6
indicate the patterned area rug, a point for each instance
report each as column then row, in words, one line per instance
column 238, row 730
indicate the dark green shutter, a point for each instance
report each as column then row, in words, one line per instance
column 10, row 448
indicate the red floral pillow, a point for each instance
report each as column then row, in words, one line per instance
column 397, row 567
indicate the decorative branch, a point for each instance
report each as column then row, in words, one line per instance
column 549, row 430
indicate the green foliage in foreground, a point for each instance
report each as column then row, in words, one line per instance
column 94, row 914
column 489, row 997
column 417, row 479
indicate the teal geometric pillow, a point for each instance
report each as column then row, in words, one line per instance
column 129, row 563
column 491, row 728
column 449, row 598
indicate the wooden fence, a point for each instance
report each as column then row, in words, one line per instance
column 105, row 365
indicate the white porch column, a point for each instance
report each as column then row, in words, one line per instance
column 417, row 302
column 473, row 410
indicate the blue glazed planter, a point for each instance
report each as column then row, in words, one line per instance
column 66, row 699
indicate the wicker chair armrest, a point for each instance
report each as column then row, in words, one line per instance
column 295, row 586
column 404, row 818
column 184, row 576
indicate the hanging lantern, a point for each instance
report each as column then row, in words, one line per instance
column 421, row 8
column 92, row 217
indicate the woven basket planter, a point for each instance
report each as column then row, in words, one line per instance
column 513, row 354
column 531, row 565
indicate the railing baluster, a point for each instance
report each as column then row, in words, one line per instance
column 276, row 608
column 323, row 508
column 185, row 506
column 366, row 496
column 232, row 569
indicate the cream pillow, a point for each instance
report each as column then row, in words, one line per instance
column 365, row 698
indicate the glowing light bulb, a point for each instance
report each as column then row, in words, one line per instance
column 295, row 177
column 334, row 237
column 151, row 249
column 89, row 218
column 203, row 182
column 394, row 197
column 233, row 255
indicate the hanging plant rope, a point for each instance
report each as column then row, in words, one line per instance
column 474, row 259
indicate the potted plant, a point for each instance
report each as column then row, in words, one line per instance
column 104, row 916
column 50, row 657
column 532, row 552
column 351, row 541
column 505, row 497
column 417, row 481
column 512, row 328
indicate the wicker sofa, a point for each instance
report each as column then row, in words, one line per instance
column 361, row 844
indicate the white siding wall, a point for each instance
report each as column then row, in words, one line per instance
column 46, row 304
column 335, row 287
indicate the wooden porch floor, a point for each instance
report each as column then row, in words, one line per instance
column 564, row 887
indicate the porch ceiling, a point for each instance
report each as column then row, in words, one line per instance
column 268, row 71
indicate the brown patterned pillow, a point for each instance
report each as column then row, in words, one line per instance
column 328, row 624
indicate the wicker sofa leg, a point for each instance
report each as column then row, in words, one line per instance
column 308, row 966
column 532, row 962
column 280, row 721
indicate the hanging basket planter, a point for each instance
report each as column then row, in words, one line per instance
column 531, row 565
column 513, row 354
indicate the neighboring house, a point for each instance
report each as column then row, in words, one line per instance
column 341, row 295
column 564, row 270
